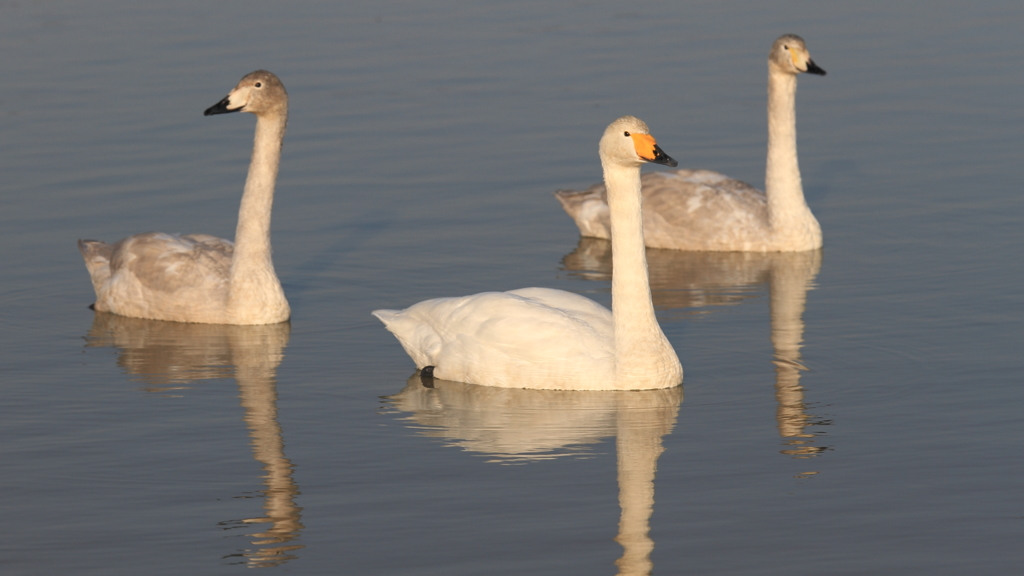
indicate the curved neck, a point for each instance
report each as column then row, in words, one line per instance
column 640, row 345
column 782, row 174
column 252, row 267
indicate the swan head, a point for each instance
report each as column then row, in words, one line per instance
column 259, row 92
column 628, row 142
column 789, row 55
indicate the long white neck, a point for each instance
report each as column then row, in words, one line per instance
column 643, row 356
column 254, row 283
column 787, row 210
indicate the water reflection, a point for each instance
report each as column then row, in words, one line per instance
column 512, row 425
column 167, row 356
column 685, row 283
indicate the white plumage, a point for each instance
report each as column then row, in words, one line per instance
column 551, row 339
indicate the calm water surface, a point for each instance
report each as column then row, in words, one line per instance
column 849, row 411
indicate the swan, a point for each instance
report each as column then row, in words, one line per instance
column 197, row 277
column 705, row 210
column 543, row 338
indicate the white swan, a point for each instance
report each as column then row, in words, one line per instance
column 197, row 277
column 550, row 339
column 704, row 210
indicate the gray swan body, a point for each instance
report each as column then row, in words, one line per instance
column 197, row 277
column 705, row 210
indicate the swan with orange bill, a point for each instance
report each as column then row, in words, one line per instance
column 544, row 338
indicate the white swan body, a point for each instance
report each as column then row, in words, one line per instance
column 197, row 277
column 704, row 210
column 551, row 339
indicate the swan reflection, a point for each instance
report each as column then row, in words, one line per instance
column 686, row 283
column 517, row 425
column 168, row 356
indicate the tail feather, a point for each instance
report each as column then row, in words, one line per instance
column 588, row 209
column 97, row 260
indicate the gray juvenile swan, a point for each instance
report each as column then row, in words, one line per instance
column 197, row 277
column 551, row 339
column 705, row 210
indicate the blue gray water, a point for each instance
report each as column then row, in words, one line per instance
column 853, row 411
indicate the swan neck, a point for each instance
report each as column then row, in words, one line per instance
column 783, row 186
column 640, row 345
column 252, row 270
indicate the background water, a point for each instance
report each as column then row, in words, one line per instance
column 853, row 411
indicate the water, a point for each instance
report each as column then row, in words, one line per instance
column 853, row 411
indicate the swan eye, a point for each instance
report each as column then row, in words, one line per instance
column 259, row 84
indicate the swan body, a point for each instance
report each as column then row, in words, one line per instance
column 543, row 338
column 197, row 277
column 705, row 210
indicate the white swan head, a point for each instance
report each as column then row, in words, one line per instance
column 259, row 92
column 628, row 142
column 789, row 54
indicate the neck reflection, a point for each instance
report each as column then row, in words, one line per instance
column 691, row 283
column 519, row 425
column 169, row 356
